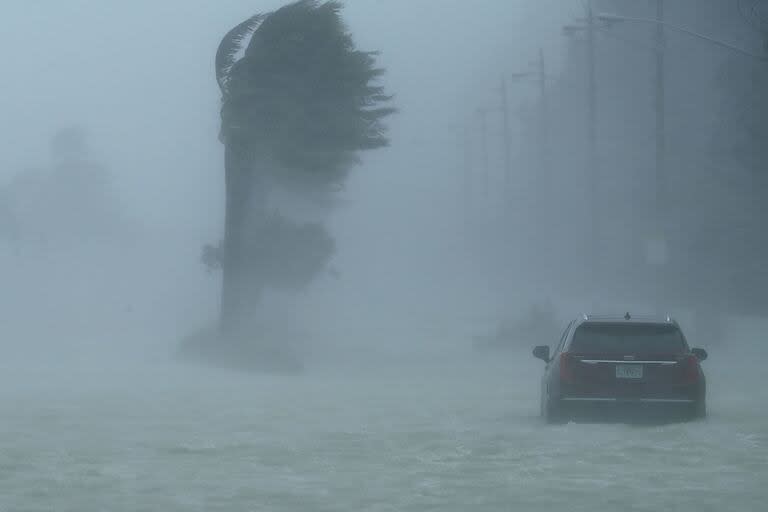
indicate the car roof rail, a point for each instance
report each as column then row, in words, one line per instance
column 629, row 317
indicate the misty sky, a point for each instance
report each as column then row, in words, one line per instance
column 139, row 76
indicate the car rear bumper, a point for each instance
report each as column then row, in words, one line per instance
column 633, row 409
column 590, row 399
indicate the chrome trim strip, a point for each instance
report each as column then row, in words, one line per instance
column 577, row 399
column 645, row 400
column 668, row 400
column 596, row 361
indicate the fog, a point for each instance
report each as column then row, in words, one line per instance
column 455, row 249
column 139, row 80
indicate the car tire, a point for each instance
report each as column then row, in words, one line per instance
column 700, row 409
column 697, row 411
column 553, row 413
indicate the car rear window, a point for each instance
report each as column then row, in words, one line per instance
column 627, row 338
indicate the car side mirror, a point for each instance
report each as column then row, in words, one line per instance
column 541, row 352
column 700, row 353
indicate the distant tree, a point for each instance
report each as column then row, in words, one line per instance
column 715, row 174
column 743, row 129
column 740, row 147
column 755, row 14
column 298, row 103
column 68, row 201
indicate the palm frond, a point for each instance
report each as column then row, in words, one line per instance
column 230, row 46
column 302, row 92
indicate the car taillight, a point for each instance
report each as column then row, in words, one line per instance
column 565, row 366
column 691, row 369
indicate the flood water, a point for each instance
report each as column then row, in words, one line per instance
column 447, row 431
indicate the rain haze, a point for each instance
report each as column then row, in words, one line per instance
column 243, row 272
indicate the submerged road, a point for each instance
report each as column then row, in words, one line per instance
column 446, row 433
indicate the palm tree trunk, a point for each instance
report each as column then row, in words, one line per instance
column 234, row 293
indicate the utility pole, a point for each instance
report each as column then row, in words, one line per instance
column 593, row 172
column 543, row 111
column 507, row 155
column 661, row 211
column 483, row 114
column 591, row 89
column 541, row 236
column 542, row 179
column 466, row 144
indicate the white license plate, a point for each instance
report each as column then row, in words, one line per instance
column 629, row 371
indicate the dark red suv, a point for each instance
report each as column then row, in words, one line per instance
column 615, row 364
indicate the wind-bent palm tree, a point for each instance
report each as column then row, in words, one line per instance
column 298, row 102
